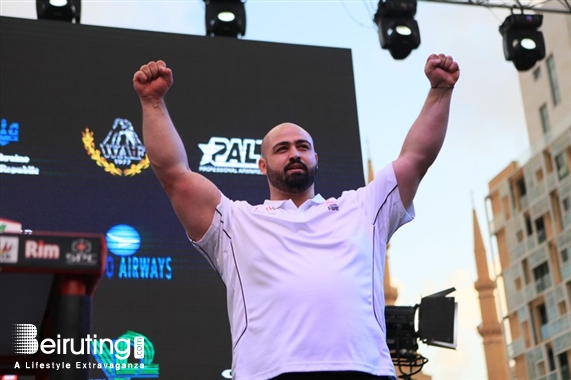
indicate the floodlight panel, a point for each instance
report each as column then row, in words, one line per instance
column 442, row 293
column 438, row 321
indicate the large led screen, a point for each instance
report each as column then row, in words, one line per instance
column 72, row 160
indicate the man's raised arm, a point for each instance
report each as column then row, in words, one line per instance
column 426, row 136
column 193, row 197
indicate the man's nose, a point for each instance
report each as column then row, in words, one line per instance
column 295, row 153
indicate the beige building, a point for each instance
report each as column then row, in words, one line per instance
column 530, row 221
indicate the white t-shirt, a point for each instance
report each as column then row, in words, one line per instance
column 305, row 285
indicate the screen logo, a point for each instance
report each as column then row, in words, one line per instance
column 9, row 133
column 232, row 156
column 123, row 241
column 81, row 253
column 122, row 153
column 9, row 249
column 37, row 249
column 14, row 163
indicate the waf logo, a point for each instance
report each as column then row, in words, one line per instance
column 122, row 153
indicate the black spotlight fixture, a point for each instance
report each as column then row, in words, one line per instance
column 437, row 326
column 523, row 43
column 398, row 30
column 61, row 10
column 226, row 18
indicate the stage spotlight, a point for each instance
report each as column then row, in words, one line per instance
column 225, row 18
column 523, row 43
column 398, row 30
column 60, row 10
column 437, row 326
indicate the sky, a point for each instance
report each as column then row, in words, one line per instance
column 486, row 128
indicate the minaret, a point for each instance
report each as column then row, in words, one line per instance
column 391, row 293
column 490, row 329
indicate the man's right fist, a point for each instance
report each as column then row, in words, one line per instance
column 153, row 80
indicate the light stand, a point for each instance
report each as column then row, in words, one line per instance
column 437, row 323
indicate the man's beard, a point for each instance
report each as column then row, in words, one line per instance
column 293, row 183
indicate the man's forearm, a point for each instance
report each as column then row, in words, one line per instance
column 426, row 136
column 162, row 142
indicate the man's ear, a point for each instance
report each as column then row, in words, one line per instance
column 262, row 165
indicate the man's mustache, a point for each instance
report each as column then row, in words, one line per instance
column 296, row 164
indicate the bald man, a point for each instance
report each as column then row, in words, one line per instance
column 303, row 274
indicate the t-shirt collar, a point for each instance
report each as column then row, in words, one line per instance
column 277, row 204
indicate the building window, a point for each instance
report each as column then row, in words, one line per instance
column 545, row 125
column 553, row 81
column 541, row 277
column 540, row 228
column 543, row 322
column 561, row 165
column 566, row 204
column 519, row 236
column 539, row 175
column 518, row 191
column 564, row 366
column 521, row 187
column 518, row 284
column 525, row 269
column 547, row 161
column 550, row 359
column 562, row 308
column 528, row 228
column 564, row 255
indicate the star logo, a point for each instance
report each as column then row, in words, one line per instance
column 211, row 149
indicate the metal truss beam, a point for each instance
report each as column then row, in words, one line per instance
column 541, row 6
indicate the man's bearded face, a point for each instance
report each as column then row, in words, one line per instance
column 295, row 177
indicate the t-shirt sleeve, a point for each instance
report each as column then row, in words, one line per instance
column 210, row 245
column 381, row 202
